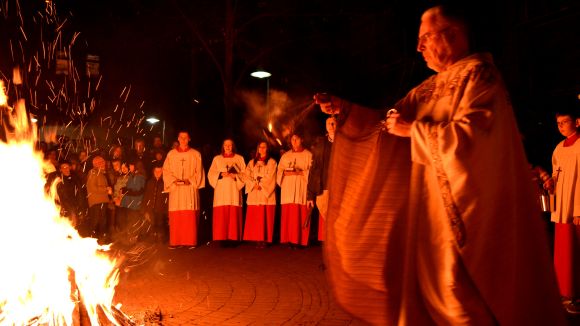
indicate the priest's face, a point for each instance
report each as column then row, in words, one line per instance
column 183, row 139
column 435, row 42
column 228, row 147
column 296, row 142
column 262, row 149
column 567, row 125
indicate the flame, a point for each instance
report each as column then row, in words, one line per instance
column 3, row 98
column 48, row 270
column 270, row 126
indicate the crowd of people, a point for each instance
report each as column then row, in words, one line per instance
column 110, row 194
column 153, row 193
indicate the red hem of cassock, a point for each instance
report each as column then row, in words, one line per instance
column 292, row 229
column 183, row 228
column 259, row 224
column 567, row 259
column 227, row 222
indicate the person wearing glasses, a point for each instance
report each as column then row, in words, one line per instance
column 441, row 224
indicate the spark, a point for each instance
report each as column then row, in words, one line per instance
column 23, row 34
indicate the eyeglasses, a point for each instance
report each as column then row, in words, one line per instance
column 427, row 36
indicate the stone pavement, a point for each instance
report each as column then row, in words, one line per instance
column 244, row 285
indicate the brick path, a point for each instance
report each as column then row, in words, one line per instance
column 210, row 285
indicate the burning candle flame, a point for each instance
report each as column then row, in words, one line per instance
column 270, row 126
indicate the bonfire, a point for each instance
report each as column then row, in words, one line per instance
column 50, row 275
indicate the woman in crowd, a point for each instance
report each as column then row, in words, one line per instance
column 260, row 185
column 225, row 176
column 132, row 195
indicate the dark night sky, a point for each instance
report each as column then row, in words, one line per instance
column 360, row 50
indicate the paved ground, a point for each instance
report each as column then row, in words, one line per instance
column 210, row 285
column 245, row 285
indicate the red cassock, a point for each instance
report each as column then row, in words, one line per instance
column 227, row 200
column 292, row 176
column 184, row 199
column 565, row 171
column 261, row 201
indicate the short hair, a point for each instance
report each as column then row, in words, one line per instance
column 97, row 158
column 233, row 145
column 454, row 14
column 475, row 24
column 563, row 113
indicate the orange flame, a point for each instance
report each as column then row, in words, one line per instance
column 48, row 269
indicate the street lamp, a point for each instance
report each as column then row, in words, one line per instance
column 264, row 74
column 153, row 121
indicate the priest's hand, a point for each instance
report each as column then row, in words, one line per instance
column 576, row 220
column 397, row 126
column 186, row 182
column 310, row 204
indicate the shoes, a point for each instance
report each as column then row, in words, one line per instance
column 191, row 247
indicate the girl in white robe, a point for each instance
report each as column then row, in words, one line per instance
column 261, row 201
column 226, row 177
column 292, row 177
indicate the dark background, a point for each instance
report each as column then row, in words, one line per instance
column 172, row 54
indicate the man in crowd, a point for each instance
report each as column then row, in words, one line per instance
column 71, row 197
column 98, row 192
column 318, row 176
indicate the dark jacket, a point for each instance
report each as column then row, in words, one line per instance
column 318, row 176
column 154, row 200
column 71, row 195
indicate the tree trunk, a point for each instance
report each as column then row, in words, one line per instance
column 229, row 35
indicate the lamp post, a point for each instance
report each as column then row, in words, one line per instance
column 153, row 121
column 264, row 74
